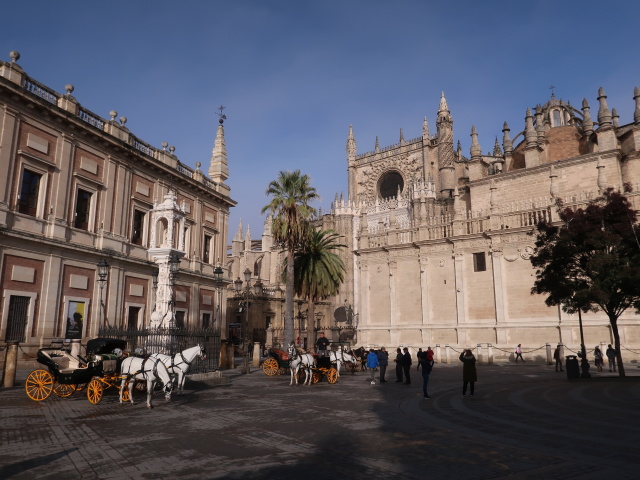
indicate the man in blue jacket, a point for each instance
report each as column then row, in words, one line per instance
column 372, row 364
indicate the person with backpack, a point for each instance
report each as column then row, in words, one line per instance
column 372, row 364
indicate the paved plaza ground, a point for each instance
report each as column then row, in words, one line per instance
column 526, row 421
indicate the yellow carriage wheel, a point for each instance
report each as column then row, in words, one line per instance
column 125, row 392
column 270, row 366
column 63, row 390
column 332, row 375
column 316, row 376
column 94, row 391
column 39, row 385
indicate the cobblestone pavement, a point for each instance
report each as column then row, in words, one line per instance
column 525, row 422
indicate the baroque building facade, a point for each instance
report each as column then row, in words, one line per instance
column 438, row 243
column 77, row 190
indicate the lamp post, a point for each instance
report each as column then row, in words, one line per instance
column 584, row 364
column 103, row 273
column 217, row 275
column 257, row 287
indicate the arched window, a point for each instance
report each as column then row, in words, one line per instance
column 390, row 183
column 557, row 118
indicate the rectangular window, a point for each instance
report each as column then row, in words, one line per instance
column 180, row 318
column 479, row 262
column 206, row 249
column 83, row 208
column 132, row 318
column 206, row 320
column 18, row 317
column 137, row 229
column 28, row 202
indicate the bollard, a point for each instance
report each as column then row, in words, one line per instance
column 490, row 353
column 438, row 353
column 10, row 363
column 479, row 353
column 550, row 360
column 447, row 352
column 256, row 354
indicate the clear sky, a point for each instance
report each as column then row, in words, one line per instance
column 294, row 74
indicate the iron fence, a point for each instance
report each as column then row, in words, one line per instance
column 171, row 341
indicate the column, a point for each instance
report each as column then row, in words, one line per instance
column 424, row 289
column 393, row 294
column 498, row 285
column 458, row 266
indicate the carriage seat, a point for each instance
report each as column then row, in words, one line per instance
column 281, row 354
column 63, row 359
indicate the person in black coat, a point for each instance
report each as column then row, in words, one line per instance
column 406, row 366
column 469, row 374
column 398, row 361
column 383, row 361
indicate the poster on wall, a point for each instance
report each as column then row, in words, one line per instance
column 75, row 320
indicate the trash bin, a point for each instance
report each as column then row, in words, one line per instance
column 572, row 366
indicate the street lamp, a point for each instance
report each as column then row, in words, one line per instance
column 217, row 275
column 103, row 273
column 257, row 291
column 584, row 364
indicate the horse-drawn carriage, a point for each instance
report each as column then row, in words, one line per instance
column 106, row 366
column 280, row 361
column 66, row 373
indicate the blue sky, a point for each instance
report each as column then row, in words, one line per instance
column 293, row 75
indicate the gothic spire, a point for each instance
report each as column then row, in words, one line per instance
column 587, row 123
column 636, row 113
column 475, row 149
column 351, row 145
column 604, row 114
column 219, row 168
column 425, row 129
column 530, row 135
column 506, row 139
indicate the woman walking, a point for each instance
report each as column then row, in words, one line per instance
column 469, row 374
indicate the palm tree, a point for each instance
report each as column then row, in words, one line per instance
column 319, row 271
column 289, row 206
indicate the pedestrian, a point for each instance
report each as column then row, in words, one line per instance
column 406, row 366
column 429, row 355
column 426, row 373
column 469, row 374
column 597, row 354
column 419, row 356
column 372, row 364
column 519, row 353
column 321, row 345
column 383, row 361
column 557, row 356
column 611, row 357
column 398, row 361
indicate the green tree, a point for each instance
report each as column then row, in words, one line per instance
column 290, row 196
column 591, row 261
column 319, row 271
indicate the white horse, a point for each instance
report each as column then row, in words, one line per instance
column 179, row 364
column 341, row 357
column 298, row 361
column 150, row 369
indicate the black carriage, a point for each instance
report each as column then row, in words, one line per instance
column 324, row 368
column 66, row 373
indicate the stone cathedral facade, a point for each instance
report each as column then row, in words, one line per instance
column 439, row 243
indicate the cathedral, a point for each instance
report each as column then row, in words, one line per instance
column 439, row 242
